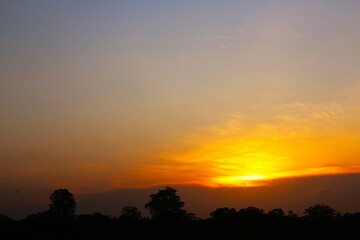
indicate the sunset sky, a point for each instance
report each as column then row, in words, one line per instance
column 103, row 95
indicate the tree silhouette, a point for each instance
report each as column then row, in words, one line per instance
column 166, row 204
column 276, row 212
column 292, row 214
column 319, row 211
column 130, row 213
column 251, row 212
column 224, row 213
column 62, row 203
column 170, row 220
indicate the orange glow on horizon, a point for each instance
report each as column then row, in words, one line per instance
column 246, row 153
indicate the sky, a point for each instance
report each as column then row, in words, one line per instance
column 97, row 96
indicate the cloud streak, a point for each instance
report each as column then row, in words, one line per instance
column 295, row 140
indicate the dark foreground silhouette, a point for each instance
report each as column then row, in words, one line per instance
column 169, row 220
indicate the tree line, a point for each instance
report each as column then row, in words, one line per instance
column 169, row 219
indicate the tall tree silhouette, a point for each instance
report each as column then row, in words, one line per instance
column 166, row 204
column 319, row 211
column 62, row 203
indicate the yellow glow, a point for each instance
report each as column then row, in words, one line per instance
column 250, row 180
column 313, row 140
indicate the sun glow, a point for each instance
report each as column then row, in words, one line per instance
column 307, row 141
column 249, row 180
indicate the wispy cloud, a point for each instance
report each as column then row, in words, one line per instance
column 297, row 140
column 184, row 57
column 219, row 37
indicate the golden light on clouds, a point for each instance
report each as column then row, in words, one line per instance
column 290, row 141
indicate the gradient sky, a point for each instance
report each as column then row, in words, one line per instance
column 99, row 95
